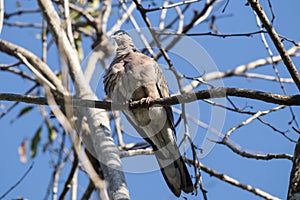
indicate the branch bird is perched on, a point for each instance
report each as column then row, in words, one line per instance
column 134, row 76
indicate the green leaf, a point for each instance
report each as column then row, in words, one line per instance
column 52, row 133
column 35, row 141
column 22, row 112
column 94, row 4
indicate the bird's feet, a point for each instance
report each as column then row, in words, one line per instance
column 147, row 100
column 144, row 102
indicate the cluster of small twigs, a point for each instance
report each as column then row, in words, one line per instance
column 76, row 114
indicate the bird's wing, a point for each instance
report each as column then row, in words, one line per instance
column 113, row 74
column 134, row 76
column 163, row 90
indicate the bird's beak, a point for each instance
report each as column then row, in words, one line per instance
column 113, row 37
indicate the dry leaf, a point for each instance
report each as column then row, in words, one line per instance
column 22, row 151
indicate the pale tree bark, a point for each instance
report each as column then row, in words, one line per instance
column 294, row 187
column 98, row 122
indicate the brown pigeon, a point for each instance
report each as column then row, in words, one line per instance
column 134, row 76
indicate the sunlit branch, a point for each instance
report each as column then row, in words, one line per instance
column 171, row 5
column 276, row 40
column 258, row 156
column 233, row 181
column 241, row 69
column 250, row 119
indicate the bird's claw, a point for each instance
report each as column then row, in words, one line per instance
column 147, row 100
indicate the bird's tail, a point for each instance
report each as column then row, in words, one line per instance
column 174, row 171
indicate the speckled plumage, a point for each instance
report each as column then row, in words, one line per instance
column 134, row 76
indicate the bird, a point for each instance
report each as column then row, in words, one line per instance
column 133, row 76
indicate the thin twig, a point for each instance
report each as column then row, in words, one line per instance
column 122, row 19
column 266, row 77
column 18, row 182
column 276, row 40
column 69, row 179
column 250, row 119
column 274, row 67
column 16, row 51
column 233, row 181
column 88, row 192
column 17, row 102
column 283, row 133
column 171, row 5
column 40, row 77
column 258, row 156
column 23, row 25
column 21, row 12
column 137, row 28
column 240, row 69
column 248, row 34
column 20, row 73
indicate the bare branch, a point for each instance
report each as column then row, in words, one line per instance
column 258, row 156
column 68, row 23
column 19, row 73
column 293, row 100
column 21, row 12
column 136, row 152
column 38, row 64
column 122, row 19
column 240, row 69
column 294, row 183
column 233, row 181
column 249, row 34
column 250, row 119
column 42, row 80
column 171, row 5
column 106, row 7
column 70, row 177
column 16, row 103
column 23, row 25
column 18, row 182
column 102, row 144
column 276, row 40
column 88, row 191
column 266, row 77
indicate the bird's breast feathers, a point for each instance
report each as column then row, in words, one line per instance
column 133, row 75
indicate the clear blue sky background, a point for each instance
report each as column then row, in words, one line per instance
column 270, row 176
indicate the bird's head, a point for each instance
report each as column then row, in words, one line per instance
column 122, row 38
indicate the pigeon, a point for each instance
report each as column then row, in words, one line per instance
column 133, row 76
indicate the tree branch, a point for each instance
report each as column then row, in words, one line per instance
column 18, row 182
column 99, row 141
column 294, row 184
column 233, row 181
column 258, row 156
column 293, row 100
column 37, row 63
column 171, row 5
column 276, row 40
column 70, row 177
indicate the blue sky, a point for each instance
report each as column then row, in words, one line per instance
column 227, row 53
